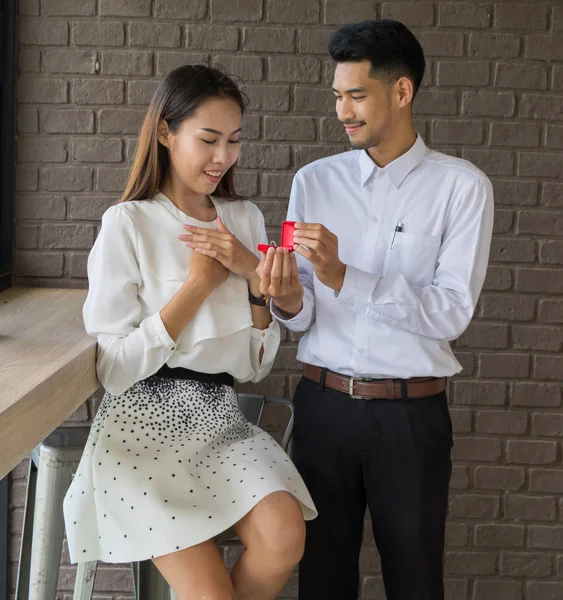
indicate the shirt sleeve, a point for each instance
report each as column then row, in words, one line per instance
column 129, row 348
column 304, row 319
column 443, row 309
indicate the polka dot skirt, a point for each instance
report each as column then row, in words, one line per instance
column 169, row 464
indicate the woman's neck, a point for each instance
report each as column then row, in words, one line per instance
column 198, row 206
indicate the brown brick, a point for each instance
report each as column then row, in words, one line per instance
column 213, row 37
column 470, row 563
column 27, row 120
column 499, row 536
column 71, row 179
column 269, row 98
column 313, row 99
column 494, row 589
column 493, row 45
column 489, row 104
column 178, row 9
column 515, row 192
column 112, row 179
column 460, row 478
column 504, row 365
column 27, row 178
column 499, row 478
column 62, row 8
column 432, row 102
column 461, row 420
column 337, row 12
column 504, row 221
column 147, row 35
column 542, row 223
column 42, row 32
column 40, row 207
column 68, row 121
column 97, row 91
column 261, row 156
column 454, row 589
column 29, row 60
column 92, row 33
column 28, row 7
column 460, row 73
column 498, row 279
column 314, row 41
column 531, row 452
column 513, row 250
column 492, row 162
column 476, row 449
column 125, row 8
column 554, row 137
column 126, row 62
column 36, row 149
column 467, row 362
column 441, row 43
column 276, row 185
column 557, row 79
column 266, row 39
column 42, row 91
column 484, row 335
column 458, row 131
column 551, row 311
column 525, row 564
column 76, row 237
column 120, row 120
column 540, row 164
column 535, row 394
column 502, row 422
column 464, row 15
column 539, row 280
column 551, row 252
column 292, row 11
column 544, row 106
column 547, row 424
column 248, row 68
column 515, row 135
column 526, row 17
column 28, row 263
column 552, row 194
column 242, row 10
column 548, row 590
column 26, row 237
column 168, row 61
column 294, row 69
column 97, row 150
column 520, row 76
column 289, row 128
column 411, row 14
column 141, row 92
column 548, row 537
column 486, row 393
column 457, row 534
column 544, row 47
column 537, row 338
column 89, row 208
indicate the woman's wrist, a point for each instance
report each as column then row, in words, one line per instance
column 254, row 285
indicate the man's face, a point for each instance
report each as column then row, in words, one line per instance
column 363, row 104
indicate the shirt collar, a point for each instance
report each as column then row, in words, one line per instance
column 399, row 168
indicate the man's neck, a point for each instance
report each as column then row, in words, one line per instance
column 390, row 149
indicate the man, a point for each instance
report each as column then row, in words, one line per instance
column 392, row 244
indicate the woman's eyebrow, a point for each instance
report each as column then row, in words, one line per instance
column 216, row 132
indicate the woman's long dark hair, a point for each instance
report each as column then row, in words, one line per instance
column 177, row 98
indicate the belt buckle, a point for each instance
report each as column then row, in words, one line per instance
column 351, row 381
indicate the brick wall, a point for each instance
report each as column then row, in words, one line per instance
column 493, row 94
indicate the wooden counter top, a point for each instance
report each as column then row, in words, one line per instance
column 47, row 366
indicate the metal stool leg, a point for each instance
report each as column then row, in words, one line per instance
column 85, row 577
column 22, row 585
column 53, row 479
column 151, row 584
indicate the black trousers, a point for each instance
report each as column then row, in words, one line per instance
column 394, row 457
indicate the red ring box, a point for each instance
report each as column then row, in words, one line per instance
column 287, row 231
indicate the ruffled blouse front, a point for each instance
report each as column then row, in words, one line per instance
column 136, row 266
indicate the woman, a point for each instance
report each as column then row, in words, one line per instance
column 171, row 462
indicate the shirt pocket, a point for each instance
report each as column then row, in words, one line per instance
column 414, row 257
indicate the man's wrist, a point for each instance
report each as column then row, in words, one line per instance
column 288, row 310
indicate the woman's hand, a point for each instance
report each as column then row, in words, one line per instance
column 206, row 271
column 222, row 246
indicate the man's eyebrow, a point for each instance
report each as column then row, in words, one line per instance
column 219, row 132
column 350, row 91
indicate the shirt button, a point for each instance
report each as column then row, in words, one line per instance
column 263, row 334
column 373, row 219
column 351, row 304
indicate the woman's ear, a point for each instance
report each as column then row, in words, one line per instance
column 163, row 133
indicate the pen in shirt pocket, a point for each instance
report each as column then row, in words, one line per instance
column 398, row 229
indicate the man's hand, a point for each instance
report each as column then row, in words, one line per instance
column 279, row 280
column 321, row 250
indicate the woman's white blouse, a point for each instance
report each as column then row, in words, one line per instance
column 136, row 266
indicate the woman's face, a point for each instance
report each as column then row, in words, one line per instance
column 206, row 145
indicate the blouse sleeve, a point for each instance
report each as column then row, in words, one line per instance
column 269, row 338
column 129, row 348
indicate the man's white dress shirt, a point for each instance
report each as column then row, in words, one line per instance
column 399, row 306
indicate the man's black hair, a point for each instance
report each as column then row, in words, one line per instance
column 390, row 47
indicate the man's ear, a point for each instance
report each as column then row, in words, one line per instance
column 405, row 91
